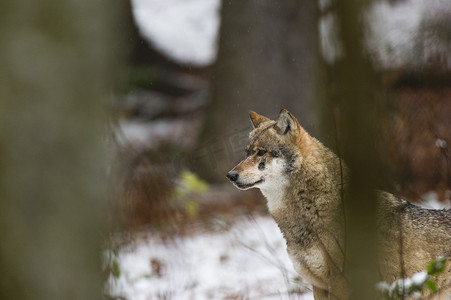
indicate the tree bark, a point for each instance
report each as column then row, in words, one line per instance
column 56, row 70
column 353, row 88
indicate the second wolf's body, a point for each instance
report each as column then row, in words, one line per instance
column 302, row 182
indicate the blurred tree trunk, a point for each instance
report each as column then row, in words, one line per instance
column 266, row 61
column 56, row 70
column 353, row 88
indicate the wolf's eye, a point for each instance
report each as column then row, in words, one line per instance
column 261, row 152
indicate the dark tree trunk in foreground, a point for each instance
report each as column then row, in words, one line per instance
column 56, row 69
column 353, row 88
column 266, row 61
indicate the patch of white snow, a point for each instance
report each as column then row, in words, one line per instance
column 249, row 260
column 430, row 200
column 405, row 33
column 186, row 31
column 439, row 143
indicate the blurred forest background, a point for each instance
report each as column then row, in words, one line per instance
column 190, row 111
column 175, row 81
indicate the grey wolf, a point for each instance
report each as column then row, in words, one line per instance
column 300, row 179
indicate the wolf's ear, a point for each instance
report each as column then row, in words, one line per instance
column 286, row 122
column 257, row 119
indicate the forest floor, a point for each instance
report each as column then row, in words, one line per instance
column 232, row 253
column 244, row 258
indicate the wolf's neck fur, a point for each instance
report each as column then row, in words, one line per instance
column 305, row 197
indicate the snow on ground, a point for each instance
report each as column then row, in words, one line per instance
column 144, row 134
column 408, row 32
column 184, row 30
column 403, row 33
column 400, row 33
column 430, row 201
column 247, row 260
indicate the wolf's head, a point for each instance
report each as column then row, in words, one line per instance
column 273, row 153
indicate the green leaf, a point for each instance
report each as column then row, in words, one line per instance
column 437, row 266
column 431, row 285
column 116, row 269
column 192, row 182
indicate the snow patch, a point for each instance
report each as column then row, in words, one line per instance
column 430, row 200
column 400, row 286
column 186, row 31
column 248, row 260
column 404, row 33
column 439, row 143
column 145, row 135
column 407, row 33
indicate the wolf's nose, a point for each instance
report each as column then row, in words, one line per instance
column 232, row 176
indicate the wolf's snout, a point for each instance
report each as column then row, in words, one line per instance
column 232, row 176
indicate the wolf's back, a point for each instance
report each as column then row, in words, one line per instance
column 411, row 237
